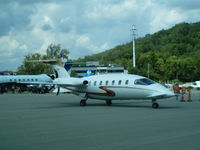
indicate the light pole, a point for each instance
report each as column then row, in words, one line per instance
column 133, row 35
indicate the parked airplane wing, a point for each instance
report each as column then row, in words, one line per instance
column 62, row 90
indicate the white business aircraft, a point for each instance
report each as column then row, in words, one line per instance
column 110, row 87
column 32, row 79
column 195, row 85
column 37, row 81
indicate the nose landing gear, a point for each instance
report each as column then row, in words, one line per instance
column 154, row 104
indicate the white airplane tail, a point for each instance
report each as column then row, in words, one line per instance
column 60, row 72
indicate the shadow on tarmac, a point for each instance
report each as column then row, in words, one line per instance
column 114, row 105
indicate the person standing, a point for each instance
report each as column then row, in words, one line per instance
column 176, row 90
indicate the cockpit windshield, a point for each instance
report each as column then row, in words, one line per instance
column 144, row 81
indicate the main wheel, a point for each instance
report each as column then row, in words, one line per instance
column 109, row 102
column 82, row 102
column 155, row 105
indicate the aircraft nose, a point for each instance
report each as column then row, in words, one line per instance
column 167, row 92
column 170, row 94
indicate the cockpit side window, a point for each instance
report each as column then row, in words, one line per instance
column 144, row 81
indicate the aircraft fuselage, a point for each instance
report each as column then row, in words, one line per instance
column 120, row 87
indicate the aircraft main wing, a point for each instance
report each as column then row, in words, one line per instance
column 61, row 90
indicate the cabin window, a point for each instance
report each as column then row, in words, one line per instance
column 27, row 79
column 100, row 83
column 107, row 82
column 113, row 82
column 126, row 82
column 144, row 81
column 15, row 80
column 19, row 79
column 36, row 79
column 10, row 80
column 32, row 80
column 23, row 79
column 95, row 83
column 119, row 82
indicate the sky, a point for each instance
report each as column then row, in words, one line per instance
column 84, row 27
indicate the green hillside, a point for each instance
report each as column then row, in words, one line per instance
column 172, row 54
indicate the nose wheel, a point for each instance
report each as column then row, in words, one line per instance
column 154, row 104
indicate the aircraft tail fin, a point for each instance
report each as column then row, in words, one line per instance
column 61, row 72
column 68, row 66
column 62, row 69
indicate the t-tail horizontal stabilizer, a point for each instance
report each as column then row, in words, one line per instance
column 57, row 65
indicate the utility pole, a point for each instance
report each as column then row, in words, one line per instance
column 133, row 36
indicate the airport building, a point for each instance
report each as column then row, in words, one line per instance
column 94, row 68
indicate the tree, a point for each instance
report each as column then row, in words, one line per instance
column 172, row 68
column 55, row 52
column 31, row 68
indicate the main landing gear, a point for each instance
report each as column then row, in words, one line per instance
column 154, row 104
column 109, row 102
column 83, row 102
column 84, row 99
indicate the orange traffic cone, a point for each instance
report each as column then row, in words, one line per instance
column 189, row 95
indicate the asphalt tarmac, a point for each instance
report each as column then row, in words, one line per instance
column 49, row 122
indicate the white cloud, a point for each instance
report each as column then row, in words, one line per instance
column 184, row 5
column 11, row 52
column 84, row 27
column 9, row 46
column 83, row 40
column 165, row 19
